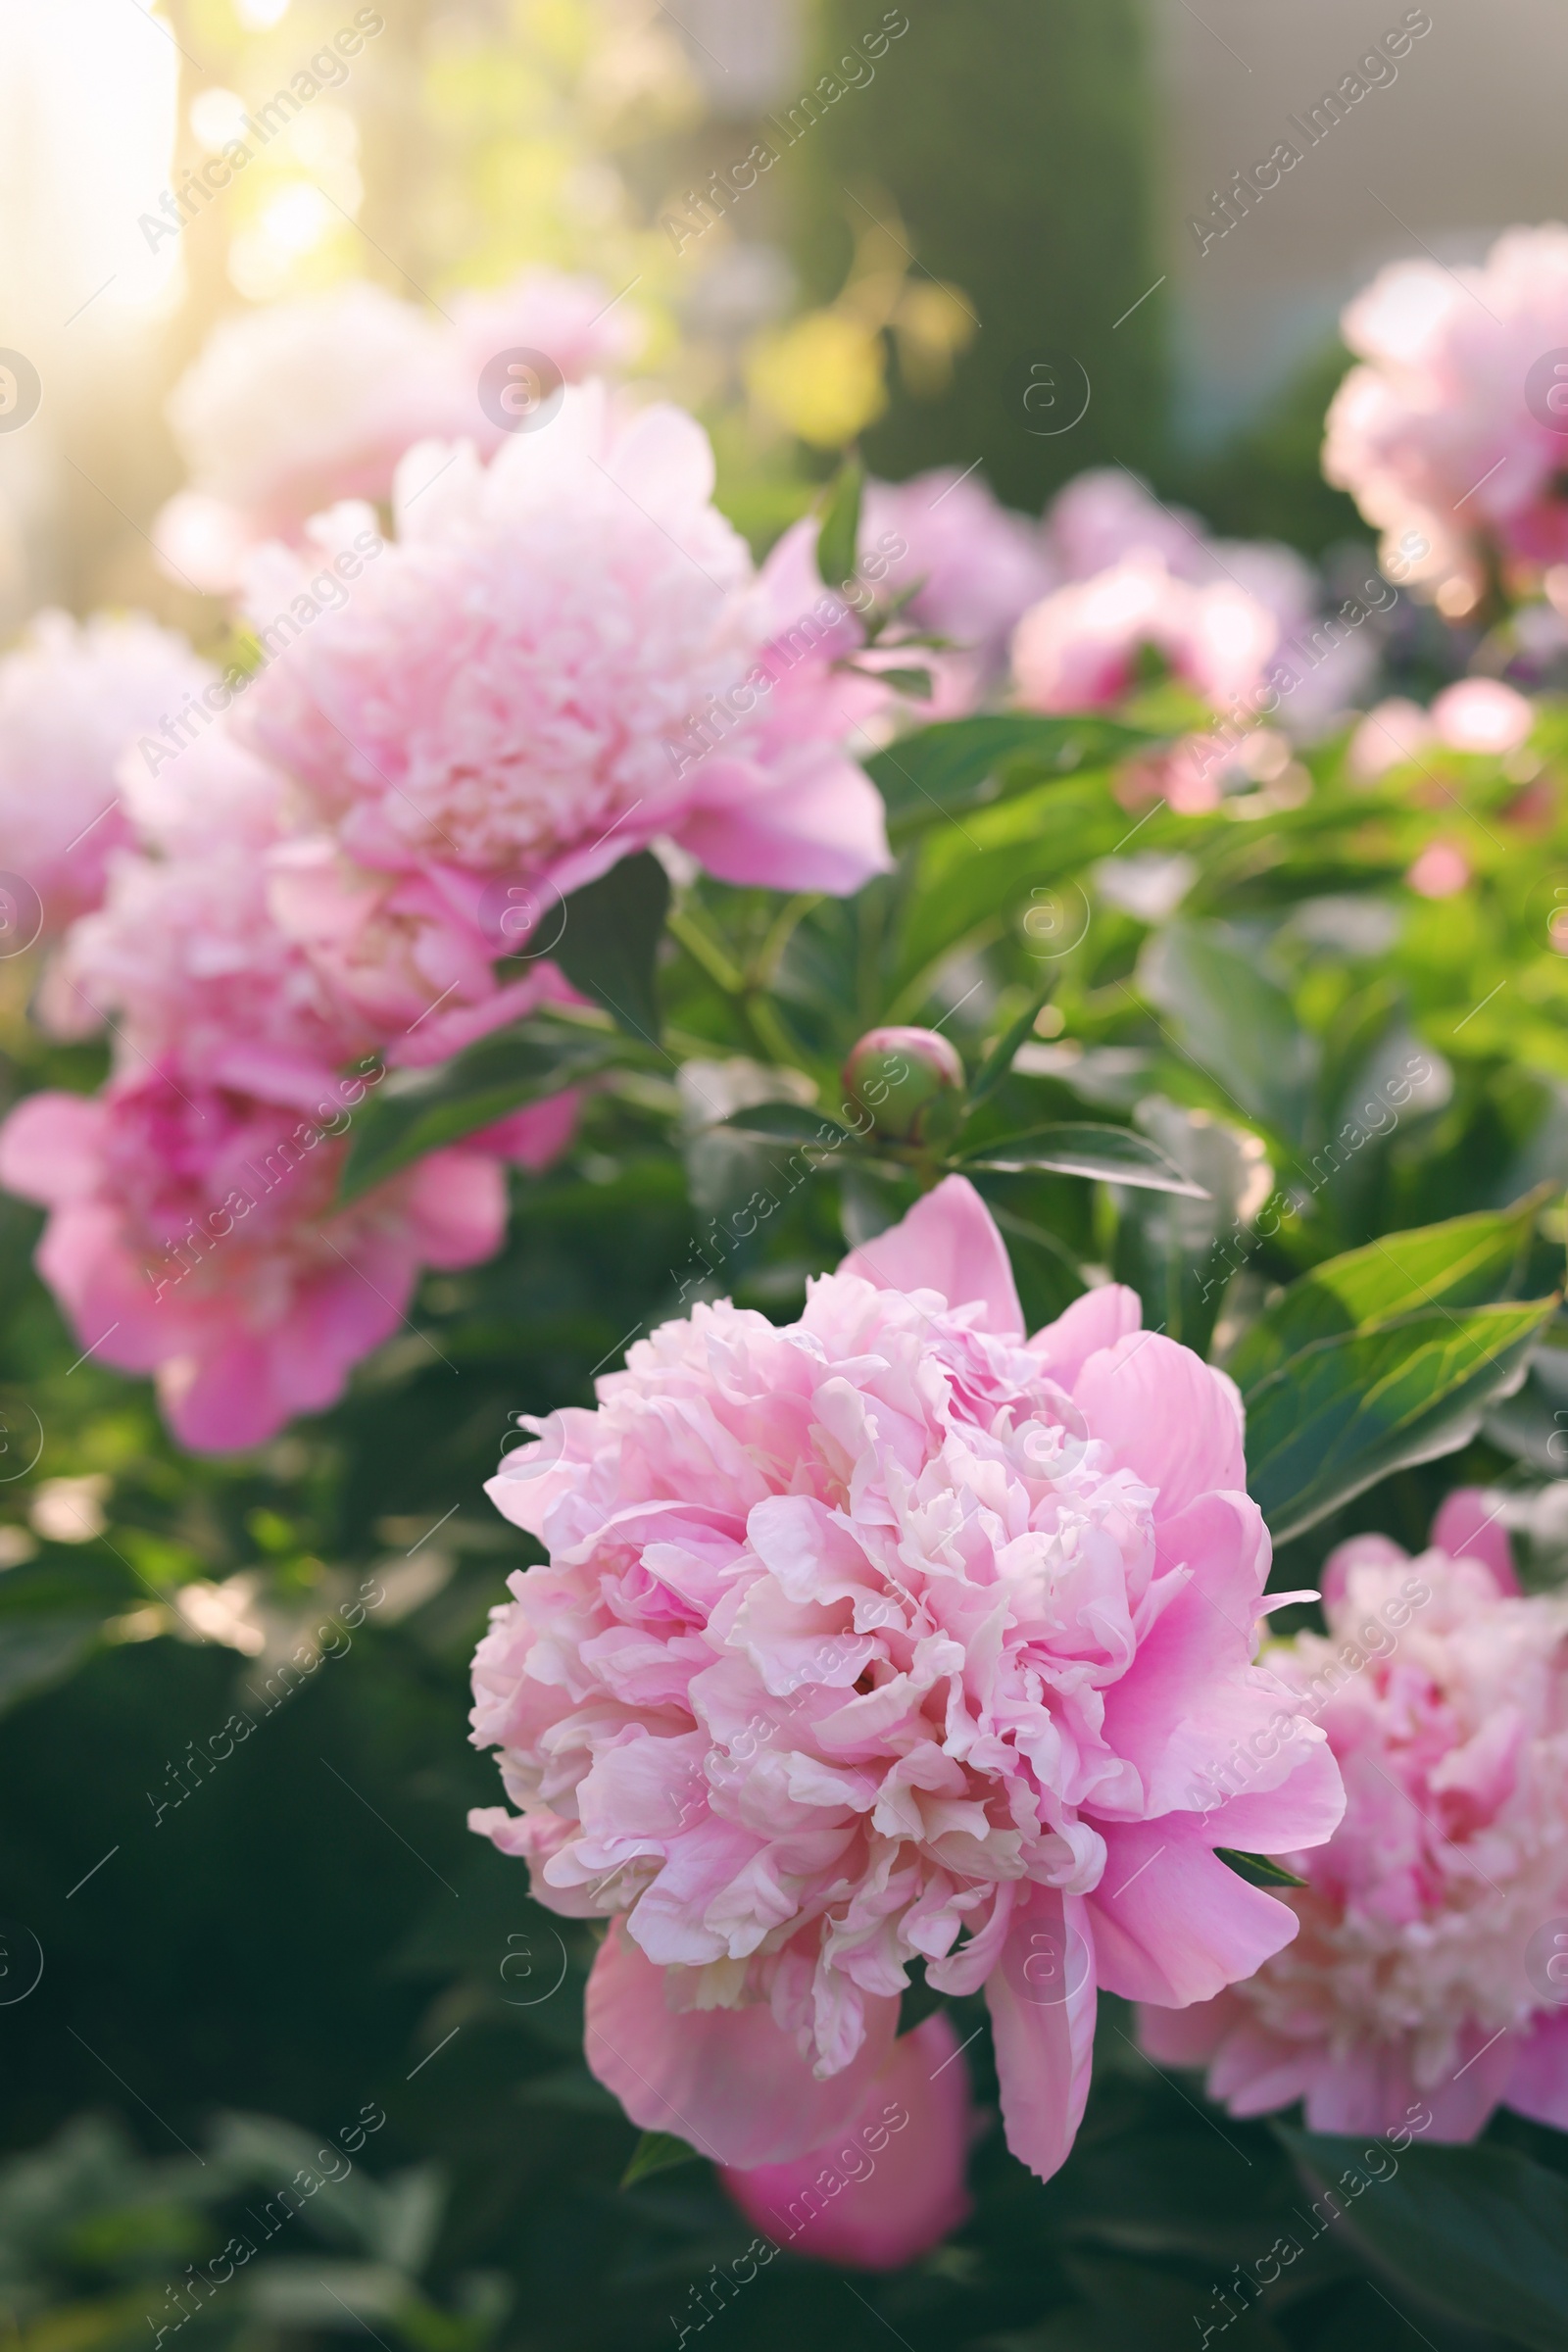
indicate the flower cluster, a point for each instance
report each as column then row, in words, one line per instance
column 889, row 1636
column 1433, row 1928
column 1451, row 436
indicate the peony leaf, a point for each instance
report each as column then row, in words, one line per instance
column 1258, row 1870
column 1465, row 1261
column 956, row 766
column 609, row 943
column 1478, row 2230
column 1083, row 1148
column 417, row 1112
column 1345, row 1411
column 1232, row 1021
column 838, row 542
column 657, row 2152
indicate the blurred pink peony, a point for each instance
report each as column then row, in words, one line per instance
column 290, row 408
column 565, row 656
column 192, row 1235
column 74, row 698
column 1440, row 871
column 870, row 2198
column 1482, row 714
column 1426, row 1967
column 978, row 565
column 889, row 1636
column 1451, row 438
column 1078, row 649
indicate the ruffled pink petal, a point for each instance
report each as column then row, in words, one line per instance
column 890, row 2185
column 1099, row 1319
column 1357, row 1552
column 1537, row 2086
column 1171, row 1923
column 729, row 2080
column 1042, row 2001
column 1469, row 1527
column 812, row 820
column 1170, row 1417
column 949, row 1243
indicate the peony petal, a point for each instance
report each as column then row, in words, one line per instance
column 889, row 2186
column 1537, row 2087
column 728, row 2081
column 1188, row 2036
column 1170, row 1417
column 1042, row 2001
column 1099, row 1319
column 1172, row 1924
column 1469, row 1527
column 947, row 1243
column 823, row 825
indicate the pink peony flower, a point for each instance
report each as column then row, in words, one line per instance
column 979, row 567
column 1424, row 1966
column 293, row 406
column 1440, row 871
column 1450, row 437
column 886, row 1637
column 192, row 1236
column 1078, row 649
column 73, row 697
column 1483, row 714
column 511, row 692
column 871, row 2198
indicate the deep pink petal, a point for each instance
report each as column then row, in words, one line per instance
column 947, row 1243
column 728, row 2081
column 1041, row 1995
column 1537, row 2086
column 890, row 2185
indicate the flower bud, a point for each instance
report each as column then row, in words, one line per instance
column 910, row 1081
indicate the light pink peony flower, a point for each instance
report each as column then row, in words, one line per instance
column 979, row 567
column 1450, row 438
column 1483, row 714
column 290, row 408
column 888, row 1636
column 1423, row 1971
column 510, row 694
column 1078, row 649
column 890, row 2185
column 74, row 697
column 192, row 1236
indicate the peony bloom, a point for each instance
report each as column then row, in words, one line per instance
column 565, row 656
column 1450, row 438
column 976, row 568
column 889, row 1636
column 872, row 2200
column 1426, row 1967
column 1079, row 649
column 192, row 1236
column 74, row 697
column 290, row 408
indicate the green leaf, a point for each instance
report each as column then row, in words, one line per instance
column 838, row 542
column 1465, row 1261
column 608, row 944
column 1344, row 1412
column 1258, row 1870
column 1231, row 1020
column 1479, row 2229
column 999, row 1061
column 416, row 1111
column 913, row 682
column 785, row 1122
column 657, row 2152
column 1083, row 1148
column 954, row 766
